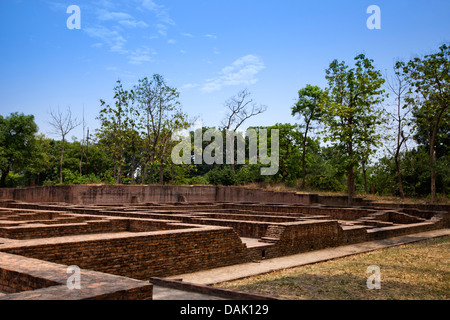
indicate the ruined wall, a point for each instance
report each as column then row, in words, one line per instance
column 106, row 194
column 30, row 232
column 308, row 236
column 161, row 253
column 239, row 194
column 46, row 194
column 6, row 194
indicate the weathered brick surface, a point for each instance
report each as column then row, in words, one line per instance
column 23, row 278
column 142, row 232
column 143, row 255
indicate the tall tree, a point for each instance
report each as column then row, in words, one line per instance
column 430, row 78
column 116, row 120
column 17, row 142
column 62, row 125
column 157, row 103
column 348, row 111
column 307, row 108
column 398, row 86
column 240, row 108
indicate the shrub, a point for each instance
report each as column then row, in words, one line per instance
column 221, row 176
column 323, row 183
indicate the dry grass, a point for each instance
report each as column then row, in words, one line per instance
column 281, row 187
column 418, row 271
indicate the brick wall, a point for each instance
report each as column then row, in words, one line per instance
column 161, row 253
column 6, row 194
column 13, row 282
column 308, row 236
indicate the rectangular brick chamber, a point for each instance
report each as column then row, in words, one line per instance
column 14, row 282
column 34, row 224
column 22, row 278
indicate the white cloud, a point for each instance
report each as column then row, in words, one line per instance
column 211, row 36
column 171, row 41
column 190, row 85
column 159, row 10
column 141, row 55
column 162, row 29
column 243, row 71
column 107, row 15
column 112, row 38
column 187, row 35
column 133, row 23
column 122, row 18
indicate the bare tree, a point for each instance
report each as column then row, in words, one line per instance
column 62, row 125
column 398, row 86
column 240, row 108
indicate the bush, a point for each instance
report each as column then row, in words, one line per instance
column 198, row 181
column 323, row 183
column 70, row 177
column 221, row 176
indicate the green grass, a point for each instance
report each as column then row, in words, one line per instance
column 419, row 271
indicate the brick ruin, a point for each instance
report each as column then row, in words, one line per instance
column 122, row 236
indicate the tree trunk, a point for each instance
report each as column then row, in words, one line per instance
column 133, row 167
column 433, row 174
column 119, row 173
column 399, row 177
column 433, row 154
column 161, row 173
column 350, row 185
column 87, row 154
column 152, row 173
column 304, row 157
column 3, row 178
column 366, row 188
column 61, row 162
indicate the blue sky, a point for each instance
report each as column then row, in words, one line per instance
column 208, row 49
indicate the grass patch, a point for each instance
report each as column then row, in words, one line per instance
column 419, row 271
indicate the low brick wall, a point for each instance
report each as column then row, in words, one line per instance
column 6, row 194
column 30, row 232
column 161, row 253
column 109, row 194
column 308, row 236
column 396, row 231
column 13, row 282
column 23, row 278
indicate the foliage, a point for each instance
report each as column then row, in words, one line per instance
column 221, row 176
column 350, row 118
column 323, row 183
column 17, row 143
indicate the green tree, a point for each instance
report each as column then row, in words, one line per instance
column 398, row 86
column 307, row 108
column 116, row 121
column 290, row 154
column 159, row 108
column 349, row 116
column 430, row 78
column 17, row 143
